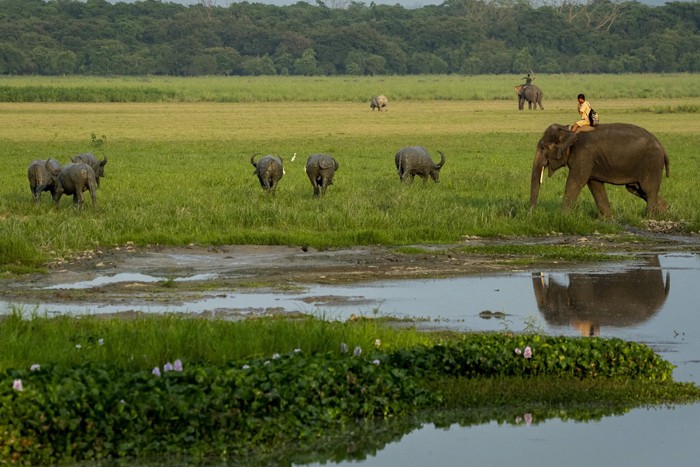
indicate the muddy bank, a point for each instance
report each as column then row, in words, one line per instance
column 162, row 276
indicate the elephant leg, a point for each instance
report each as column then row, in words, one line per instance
column 600, row 196
column 571, row 192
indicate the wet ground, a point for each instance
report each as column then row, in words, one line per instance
column 652, row 296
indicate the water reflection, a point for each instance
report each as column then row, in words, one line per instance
column 589, row 301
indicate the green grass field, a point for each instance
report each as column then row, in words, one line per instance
column 179, row 170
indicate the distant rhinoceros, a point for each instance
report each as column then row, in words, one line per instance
column 379, row 102
column 41, row 177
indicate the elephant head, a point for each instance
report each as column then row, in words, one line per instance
column 553, row 151
column 590, row 301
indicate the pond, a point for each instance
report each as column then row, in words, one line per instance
column 653, row 300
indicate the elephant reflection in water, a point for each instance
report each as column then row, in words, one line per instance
column 594, row 300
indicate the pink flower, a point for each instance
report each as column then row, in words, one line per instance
column 518, row 351
column 178, row 365
column 168, row 367
column 528, row 419
column 528, row 352
column 376, row 362
column 156, row 371
column 17, row 385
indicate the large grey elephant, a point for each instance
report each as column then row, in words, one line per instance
column 592, row 301
column 530, row 93
column 614, row 153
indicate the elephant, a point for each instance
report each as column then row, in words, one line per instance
column 614, row 153
column 591, row 301
column 530, row 93
column 41, row 178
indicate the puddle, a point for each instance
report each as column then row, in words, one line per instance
column 128, row 278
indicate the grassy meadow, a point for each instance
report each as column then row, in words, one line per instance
column 179, row 170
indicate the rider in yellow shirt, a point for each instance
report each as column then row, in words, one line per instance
column 584, row 109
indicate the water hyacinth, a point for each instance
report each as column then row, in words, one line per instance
column 245, row 367
column 376, row 362
column 518, row 351
column 297, row 350
column 168, row 367
column 275, row 356
column 343, row 347
column 377, row 342
column 528, row 352
column 177, row 366
column 358, row 351
column 35, row 367
column 101, row 341
column 156, row 371
column 17, row 385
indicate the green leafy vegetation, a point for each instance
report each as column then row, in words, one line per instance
column 468, row 37
column 84, row 396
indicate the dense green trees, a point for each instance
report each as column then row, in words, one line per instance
column 55, row 37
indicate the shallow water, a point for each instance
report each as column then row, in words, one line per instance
column 654, row 301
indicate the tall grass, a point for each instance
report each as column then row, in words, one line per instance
column 338, row 88
column 144, row 342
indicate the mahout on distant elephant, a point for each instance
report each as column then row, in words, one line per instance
column 613, row 153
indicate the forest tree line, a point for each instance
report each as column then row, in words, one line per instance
column 150, row 37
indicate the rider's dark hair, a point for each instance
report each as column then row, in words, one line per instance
column 581, row 96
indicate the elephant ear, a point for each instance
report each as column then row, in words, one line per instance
column 567, row 138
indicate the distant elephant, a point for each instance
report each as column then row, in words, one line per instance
column 591, row 301
column 614, row 153
column 530, row 93
column 379, row 102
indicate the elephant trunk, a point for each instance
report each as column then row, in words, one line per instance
column 538, row 165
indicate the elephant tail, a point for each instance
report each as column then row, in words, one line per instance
column 666, row 164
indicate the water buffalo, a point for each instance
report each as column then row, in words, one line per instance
column 41, row 177
column 320, row 169
column 415, row 160
column 379, row 102
column 98, row 166
column 73, row 179
column 269, row 170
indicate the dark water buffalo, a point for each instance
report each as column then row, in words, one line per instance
column 269, row 171
column 320, row 169
column 73, row 179
column 415, row 160
column 41, row 177
column 98, row 166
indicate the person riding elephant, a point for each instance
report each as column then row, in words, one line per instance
column 528, row 79
column 584, row 109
